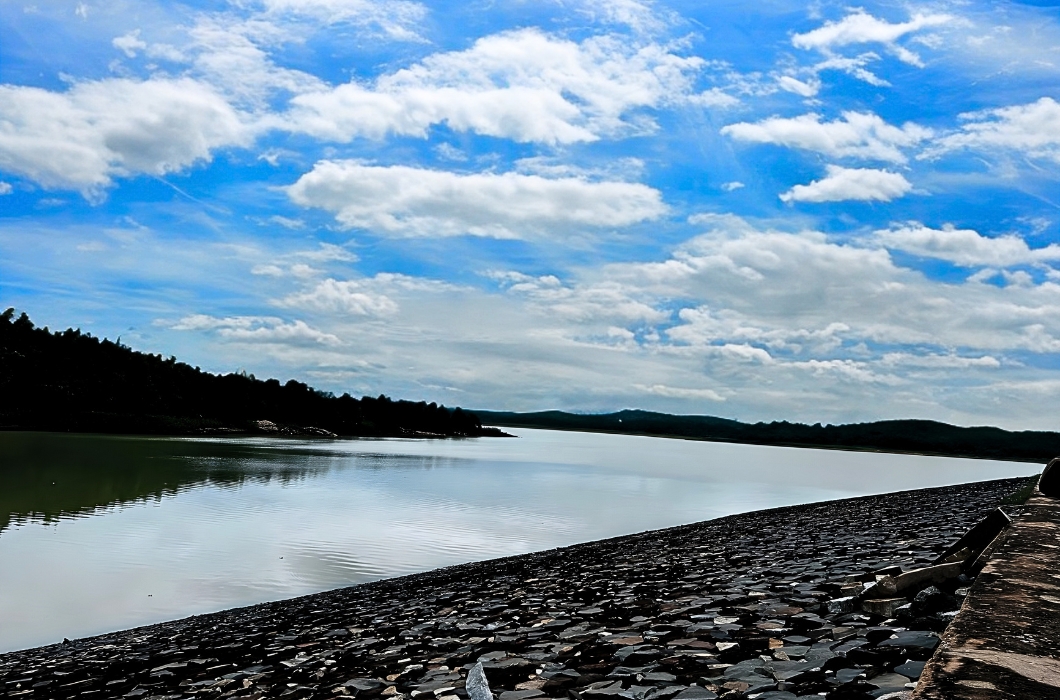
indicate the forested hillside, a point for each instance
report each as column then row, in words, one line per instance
column 918, row 436
column 72, row 381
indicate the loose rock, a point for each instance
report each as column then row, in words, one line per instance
column 774, row 604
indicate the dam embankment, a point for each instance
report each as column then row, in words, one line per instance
column 771, row 604
column 1005, row 642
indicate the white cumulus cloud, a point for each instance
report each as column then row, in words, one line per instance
column 1032, row 129
column 856, row 135
column 604, row 301
column 353, row 297
column 257, row 329
column 130, row 43
column 703, row 326
column 375, row 296
column 83, row 138
column 965, row 247
column 409, row 201
column 782, row 324
column 846, row 370
column 805, row 88
column 855, row 66
column 642, row 17
column 814, row 284
column 862, row 28
column 844, row 184
column 714, row 97
column 523, row 85
column 397, row 19
column 237, row 57
column 939, row 361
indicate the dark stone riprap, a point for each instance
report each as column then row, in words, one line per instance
column 771, row 604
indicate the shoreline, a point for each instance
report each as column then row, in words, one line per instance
column 495, row 431
column 278, row 431
column 795, row 445
column 689, row 612
column 908, row 435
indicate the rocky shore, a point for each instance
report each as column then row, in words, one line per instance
column 771, row 604
column 1005, row 643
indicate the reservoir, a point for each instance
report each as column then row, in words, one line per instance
column 99, row 533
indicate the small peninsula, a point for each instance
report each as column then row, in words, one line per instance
column 70, row 381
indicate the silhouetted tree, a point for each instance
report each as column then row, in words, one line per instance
column 70, row 380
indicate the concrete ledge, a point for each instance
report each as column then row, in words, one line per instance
column 1005, row 641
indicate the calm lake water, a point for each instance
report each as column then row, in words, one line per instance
column 99, row 533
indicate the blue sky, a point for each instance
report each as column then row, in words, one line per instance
column 803, row 211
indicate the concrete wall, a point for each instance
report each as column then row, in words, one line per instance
column 1005, row 642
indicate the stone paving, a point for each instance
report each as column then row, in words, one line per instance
column 771, row 605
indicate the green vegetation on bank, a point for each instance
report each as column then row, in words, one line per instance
column 48, row 476
column 913, row 436
column 1020, row 495
column 72, row 381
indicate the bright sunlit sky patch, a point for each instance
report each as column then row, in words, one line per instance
column 779, row 210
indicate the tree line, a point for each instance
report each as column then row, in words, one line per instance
column 73, row 381
column 915, row 436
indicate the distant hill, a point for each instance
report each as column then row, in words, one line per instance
column 72, row 381
column 914, row 436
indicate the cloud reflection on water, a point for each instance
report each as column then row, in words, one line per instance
column 139, row 530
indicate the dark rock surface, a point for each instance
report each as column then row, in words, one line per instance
column 1049, row 483
column 766, row 604
column 976, row 540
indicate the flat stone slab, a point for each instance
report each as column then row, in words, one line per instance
column 1005, row 641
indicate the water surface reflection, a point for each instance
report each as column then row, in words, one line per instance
column 100, row 532
column 48, row 476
